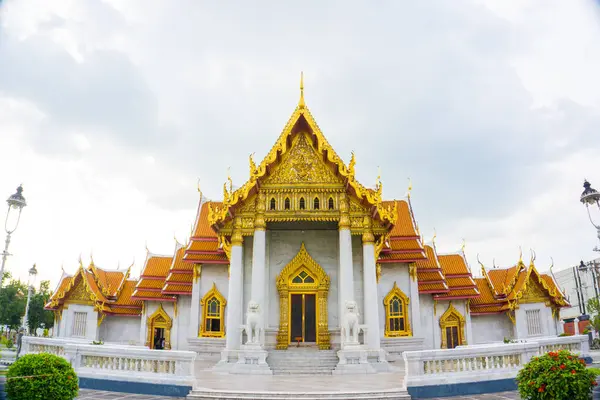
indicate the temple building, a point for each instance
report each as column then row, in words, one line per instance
column 303, row 255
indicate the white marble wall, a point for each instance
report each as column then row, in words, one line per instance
column 429, row 322
column 121, row 330
column 546, row 319
column 182, row 322
column 282, row 246
column 491, row 328
column 66, row 328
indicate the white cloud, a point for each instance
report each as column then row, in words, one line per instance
column 111, row 110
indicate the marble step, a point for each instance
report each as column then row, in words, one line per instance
column 207, row 394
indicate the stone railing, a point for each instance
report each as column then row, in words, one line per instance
column 119, row 362
column 482, row 362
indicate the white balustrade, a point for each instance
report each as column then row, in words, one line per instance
column 119, row 362
column 482, row 362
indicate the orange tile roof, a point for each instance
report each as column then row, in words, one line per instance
column 432, row 276
column 458, row 294
column 431, row 262
column 485, row 293
column 150, row 283
column 93, row 287
column 400, row 257
column 504, row 279
column 60, row 290
column 179, row 278
column 204, row 245
column 405, row 224
column 125, row 296
column 202, row 228
column 157, row 266
column 460, row 282
column 109, row 282
column 433, row 288
column 113, row 310
column 177, row 289
column 178, row 264
column 453, row 264
column 141, row 294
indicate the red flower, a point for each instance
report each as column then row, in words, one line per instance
column 562, row 366
column 531, row 383
column 553, row 368
column 542, row 388
column 594, row 383
column 573, row 372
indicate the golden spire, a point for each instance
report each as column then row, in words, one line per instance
column 409, row 187
column 301, row 103
column 520, row 254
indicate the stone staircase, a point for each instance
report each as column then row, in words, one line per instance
column 205, row 394
column 302, row 361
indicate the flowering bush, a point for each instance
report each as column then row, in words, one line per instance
column 556, row 376
column 41, row 377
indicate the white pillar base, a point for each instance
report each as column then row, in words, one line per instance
column 252, row 360
column 353, row 360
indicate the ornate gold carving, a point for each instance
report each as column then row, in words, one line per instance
column 452, row 318
column 159, row 319
column 80, row 294
column 412, row 271
column 367, row 236
column 225, row 245
column 378, row 272
column 320, row 287
column 101, row 317
column 197, row 272
column 301, row 165
column 533, row 293
column 344, row 218
column 213, row 295
column 396, row 307
column 237, row 238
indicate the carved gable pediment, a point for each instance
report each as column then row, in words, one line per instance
column 534, row 292
column 302, row 165
column 79, row 294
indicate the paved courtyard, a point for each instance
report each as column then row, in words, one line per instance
column 86, row 394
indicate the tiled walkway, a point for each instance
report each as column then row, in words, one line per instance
column 86, row 394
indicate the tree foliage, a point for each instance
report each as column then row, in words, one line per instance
column 593, row 306
column 13, row 300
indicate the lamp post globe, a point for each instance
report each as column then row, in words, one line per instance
column 30, row 282
column 591, row 197
column 16, row 202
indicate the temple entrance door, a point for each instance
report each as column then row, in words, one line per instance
column 303, row 318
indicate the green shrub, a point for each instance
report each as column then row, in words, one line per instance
column 556, row 376
column 9, row 344
column 35, row 376
column 595, row 371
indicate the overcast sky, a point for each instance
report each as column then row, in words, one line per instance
column 110, row 111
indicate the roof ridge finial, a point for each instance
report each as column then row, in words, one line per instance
column 434, row 237
column 520, row 254
column 464, row 244
column 301, row 103
column 409, row 187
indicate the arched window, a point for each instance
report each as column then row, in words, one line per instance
column 303, row 277
column 331, row 203
column 396, row 313
column 286, row 204
column 302, row 203
column 453, row 328
column 213, row 313
column 272, row 204
column 316, row 203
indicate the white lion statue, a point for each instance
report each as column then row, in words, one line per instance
column 253, row 323
column 351, row 323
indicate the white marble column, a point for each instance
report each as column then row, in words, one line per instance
column 234, row 300
column 576, row 326
column 415, row 304
column 346, row 269
column 194, row 327
column 371, row 306
column 259, row 247
column 468, row 323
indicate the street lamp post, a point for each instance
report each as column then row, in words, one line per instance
column 30, row 283
column 591, row 197
column 15, row 202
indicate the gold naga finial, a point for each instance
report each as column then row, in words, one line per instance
column 229, row 180
column 80, row 261
column 146, row 246
column 532, row 258
column 520, row 254
column 494, row 263
column 409, row 187
column 434, row 236
column 482, row 266
column 252, row 165
column 351, row 165
column 198, row 187
column 92, row 258
column 464, row 244
column 301, row 103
